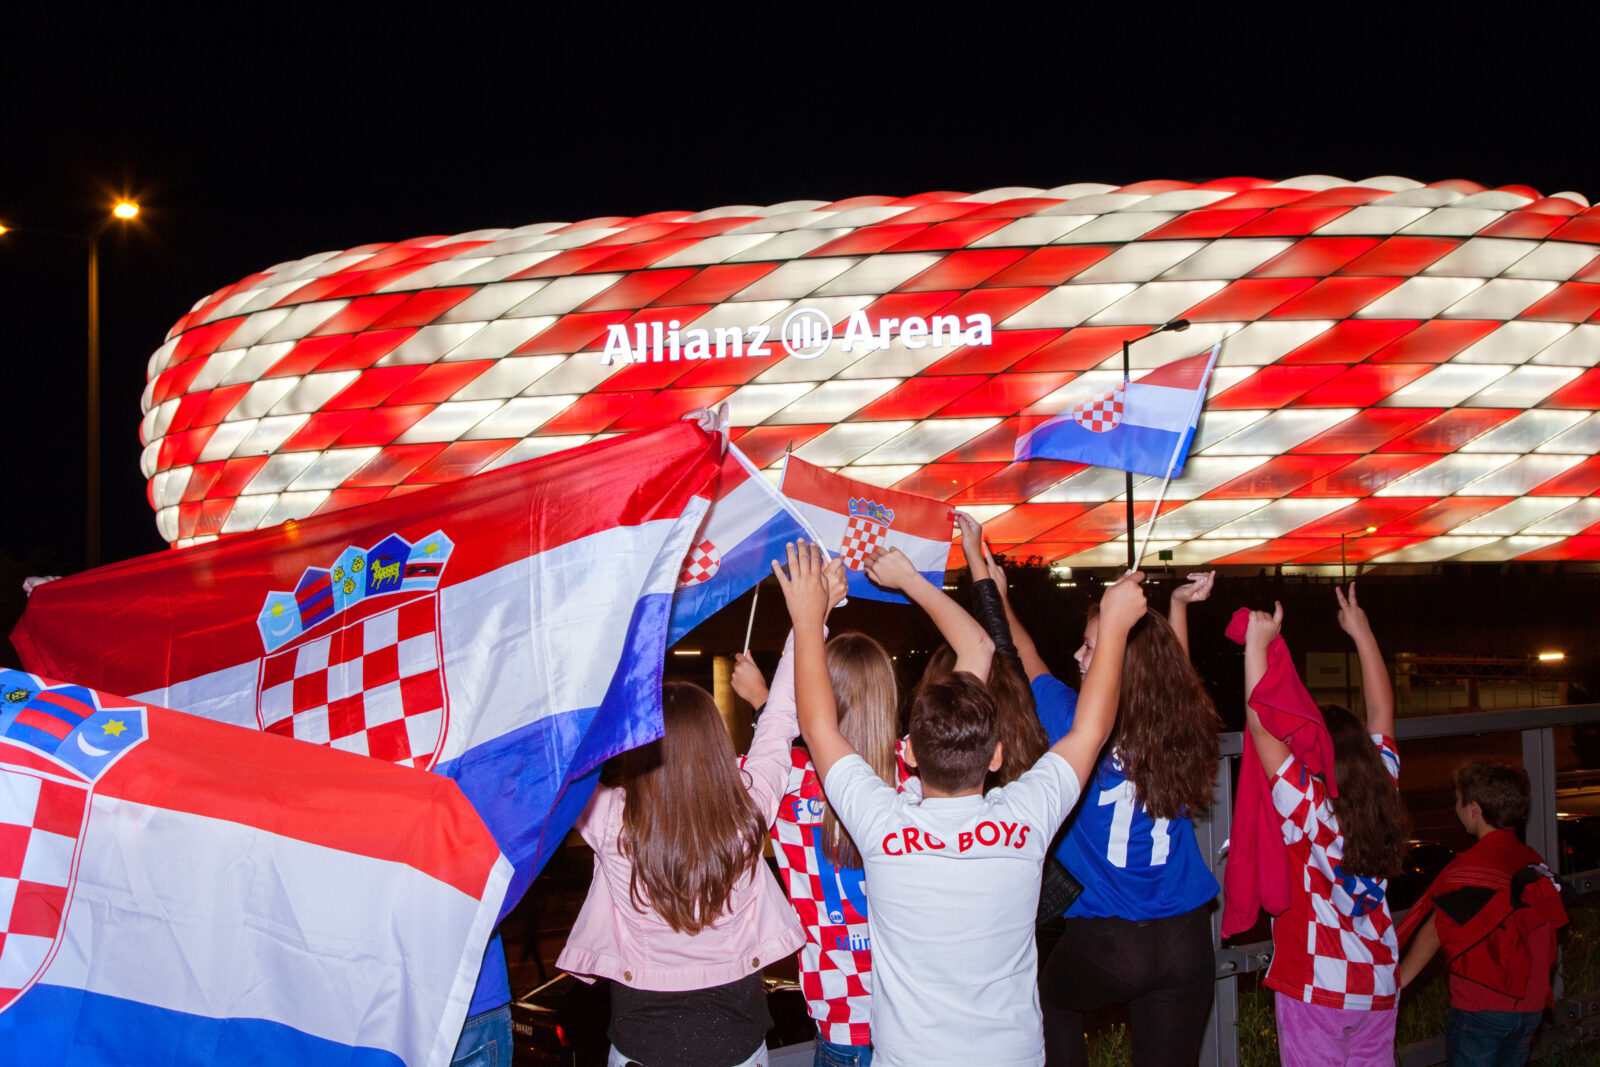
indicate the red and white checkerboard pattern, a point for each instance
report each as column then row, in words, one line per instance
column 372, row 687
column 1422, row 359
column 40, row 824
column 1346, row 960
column 836, row 981
column 702, row 564
column 862, row 537
column 1102, row 413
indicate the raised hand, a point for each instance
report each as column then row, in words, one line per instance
column 1263, row 628
column 891, row 568
column 838, row 585
column 805, row 588
column 972, row 545
column 995, row 572
column 747, row 680
column 1352, row 619
column 1196, row 589
column 1123, row 603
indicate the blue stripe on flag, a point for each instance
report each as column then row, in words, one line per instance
column 746, row 564
column 860, row 585
column 52, row 1026
column 1139, row 449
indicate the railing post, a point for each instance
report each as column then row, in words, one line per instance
column 1539, row 760
column 1221, row 1045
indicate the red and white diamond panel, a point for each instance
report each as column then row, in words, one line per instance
column 1419, row 359
column 40, row 821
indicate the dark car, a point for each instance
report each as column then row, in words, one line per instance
column 564, row 1022
column 1423, row 862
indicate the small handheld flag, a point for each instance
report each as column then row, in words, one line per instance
column 1143, row 426
column 855, row 518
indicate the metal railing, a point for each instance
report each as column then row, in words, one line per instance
column 1537, row 727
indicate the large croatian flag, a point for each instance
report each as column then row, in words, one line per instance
column 745, row 530
column 506, row 630
column 178, row 891
column 1144, row 426
column 854, row 518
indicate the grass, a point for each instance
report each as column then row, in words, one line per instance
column 1111, row 1047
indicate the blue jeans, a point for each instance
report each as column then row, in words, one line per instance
column 1489, row 1038
column 831, row 1055
column 485, row 1040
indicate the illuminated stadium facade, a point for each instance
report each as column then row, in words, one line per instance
column 1420, row 360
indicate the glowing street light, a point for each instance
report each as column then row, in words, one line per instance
column 1550, row 657
column 123, row 210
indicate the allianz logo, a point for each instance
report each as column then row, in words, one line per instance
column 805, row 334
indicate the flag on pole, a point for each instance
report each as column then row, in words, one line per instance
column 854, row 518
column 507, row 630
column 178, row 891
column 1144, row 426
column 745, row 530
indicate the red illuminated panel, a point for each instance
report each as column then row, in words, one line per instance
column 372, row 388
column 1402, row 256
column 348, row 496
column 1005, row 394
column 1435, row 341
column 1082, row 349
column 1450, row 430
column 1524, row 224
column 1008, row 347
column 1280, row 550
column 944, row 480
column 928, row 214
column 669, row 405
column 723, row 371
column 1582, row 392
column 1018, row 481
column 956, row 234
column 1580, row 547
column 321, row 429
column 571, row 333
column 180, row 449
column 1289, row 221
column 651, row 375
column 1363, row 385
column 203, row 340
column 1273, row 386
column 1585, row 227
column 1106, row 521
column 217, row 404
column 1051, row 265
column 570, row 261
column 1572, row 302
column 1246, row 299
column 380, row 426
column 365, row 349
column 1335, row 298
column 902, row 305
column 1280, row 476
column 1373, row 511
column 1315, row 257
column 963, row 270
column 917, row 398
column 1360, row 549
column 1581, row 480
column 393, row 465
column 1367, row 474
column 998, row 304
column 422, row 308
column 716, row 283
column 1442, row 516
column 639, row 256
column 593, row 413
column 460, row 459
column 1263, row 198
column 999, row 443
column 867, row 241
column 765, row 445
column 359, row 314
column 638, row 289
column 305, row 355
column 1351, row 341
column 438, row 382
column 1027, row 521
column 1206, row 222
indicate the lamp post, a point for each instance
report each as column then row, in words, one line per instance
column 1176, row 325
column 123, row 210
column 1343, row 540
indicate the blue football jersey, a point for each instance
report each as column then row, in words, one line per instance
column 1131, row 866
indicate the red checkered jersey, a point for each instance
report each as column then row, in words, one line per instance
column 1335, row 946
column 836, row 960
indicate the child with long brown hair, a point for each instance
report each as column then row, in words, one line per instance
column 1335, row 951
column 681, row 913
column 1140, row 932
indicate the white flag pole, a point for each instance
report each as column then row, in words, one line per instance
column 751, row 626
column 1194, row 414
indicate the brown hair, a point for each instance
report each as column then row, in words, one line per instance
column 1022, row 737
column 953, row 732
column 688, row 825
column 868, row 703
column 1166, row 732
column 1499, row 790
column 1371, row 817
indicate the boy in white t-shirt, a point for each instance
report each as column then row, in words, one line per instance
column 952, row 874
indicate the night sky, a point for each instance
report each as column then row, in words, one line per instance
column 256, row 136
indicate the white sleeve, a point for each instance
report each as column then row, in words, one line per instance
column 859, row 797
column 1046, row 792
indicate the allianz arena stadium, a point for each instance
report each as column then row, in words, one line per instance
column 1408, row 372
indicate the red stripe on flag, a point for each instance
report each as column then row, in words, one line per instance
column 914, row 514
column 303, row 792
column 48, row 723
column 67, row 704
column 1179, row 374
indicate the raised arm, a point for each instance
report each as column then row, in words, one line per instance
column 1263, row 630
column 1121, row 606
column 1375, row 685
column 1196, row 589
column 890, row 568
column 1033, row 664
column 806, row 591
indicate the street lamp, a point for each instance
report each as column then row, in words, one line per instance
column 1177, row 326
column 122, row 211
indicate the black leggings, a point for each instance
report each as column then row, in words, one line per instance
column 1163, row 969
